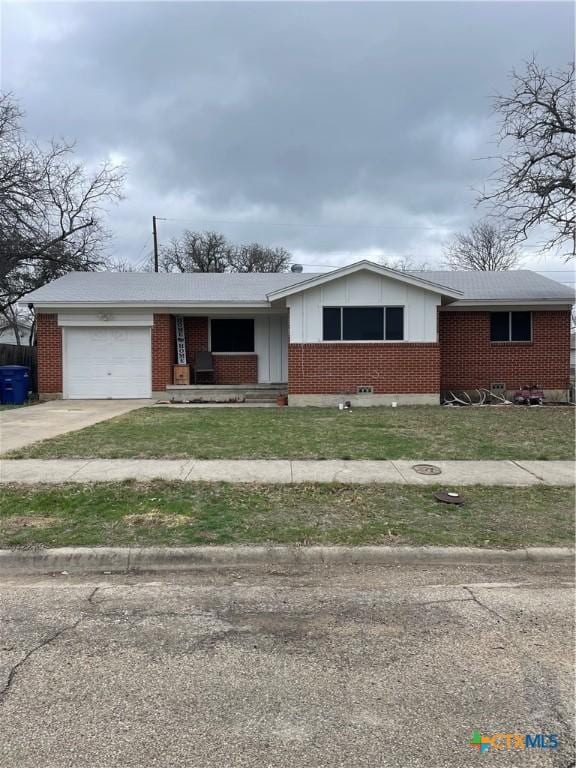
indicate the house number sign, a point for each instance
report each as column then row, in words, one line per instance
column 180, row 340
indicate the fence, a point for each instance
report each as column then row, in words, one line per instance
column 12, row 354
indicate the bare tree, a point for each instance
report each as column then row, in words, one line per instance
column 259, row 258
column 123, row 265
column 404, row 263
column 197, row 252
column 212, row 252
column 50, row 207
column 484, row 248
column 535, row 184
column 16, row 319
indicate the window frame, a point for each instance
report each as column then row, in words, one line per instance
column 510, row 340
column 235, row 319
column 383, row 307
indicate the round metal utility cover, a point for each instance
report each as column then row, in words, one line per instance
column 426, row 469
column 449, row 497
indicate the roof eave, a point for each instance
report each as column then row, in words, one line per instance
column 58, row 303
column 511, row 302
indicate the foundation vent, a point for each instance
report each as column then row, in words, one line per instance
column 365, row 390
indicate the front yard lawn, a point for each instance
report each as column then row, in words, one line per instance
column 408, row 432
column 177, row 513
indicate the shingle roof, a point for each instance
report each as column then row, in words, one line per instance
column 514, row 285
column 144, row 287
column 110, row 287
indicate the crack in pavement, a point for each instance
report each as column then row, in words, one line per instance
column 545, row 695
column 47, row 641
column 483, row 605
column 14, row 670
column 92, row 595
column 529, row 471
column 447, row 600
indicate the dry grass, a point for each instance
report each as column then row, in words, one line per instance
column 410, row 432
column 156, row 519
column 179, row 513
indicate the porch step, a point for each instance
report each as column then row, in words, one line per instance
column 225, row 393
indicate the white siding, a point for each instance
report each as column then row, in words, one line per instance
column 111, row 317
column 364, row 289
column 271, row 346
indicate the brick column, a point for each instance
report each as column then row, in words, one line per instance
column 163, row 351
column 49, row 356
column 196, row 330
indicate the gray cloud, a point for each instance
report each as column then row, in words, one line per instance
column 329, row 113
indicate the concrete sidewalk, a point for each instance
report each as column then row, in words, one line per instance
column 453, row 473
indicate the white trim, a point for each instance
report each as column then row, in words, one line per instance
column 361, row 341
column 369, row 266
column 59, row 306
column 479, row 304
column 105, row 319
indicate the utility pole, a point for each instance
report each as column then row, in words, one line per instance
column 155, row 235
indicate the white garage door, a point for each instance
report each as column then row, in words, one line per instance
column 107, row 363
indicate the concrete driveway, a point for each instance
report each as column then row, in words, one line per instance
column 22, row 426
column 321, row 667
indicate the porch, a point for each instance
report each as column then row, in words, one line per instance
column 224, row 357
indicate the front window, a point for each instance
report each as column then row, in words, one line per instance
column 232, row 335
column 511, row 326
column 363, row 323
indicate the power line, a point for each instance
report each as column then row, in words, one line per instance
column 139, row 261
column 399, row 256
column 141, row 251
column 307, row 224
column 317, row 225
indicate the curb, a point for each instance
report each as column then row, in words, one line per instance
column 149, row 559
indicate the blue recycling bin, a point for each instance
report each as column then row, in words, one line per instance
column 14, row 384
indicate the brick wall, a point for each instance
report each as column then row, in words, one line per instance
column 236, row 369
column 340, row 368
column 49, row 351
column 469, row 359
column 163, row 351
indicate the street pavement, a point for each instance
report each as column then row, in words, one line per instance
column 303, row 667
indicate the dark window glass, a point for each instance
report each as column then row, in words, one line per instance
column 394, row 323
column 331, row 324
column 233, row 335
column 499, row 326
column 363, row 323
column 521, row 326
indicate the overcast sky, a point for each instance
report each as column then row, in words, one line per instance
column 361, row 125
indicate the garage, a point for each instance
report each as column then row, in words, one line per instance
column 107, row 362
